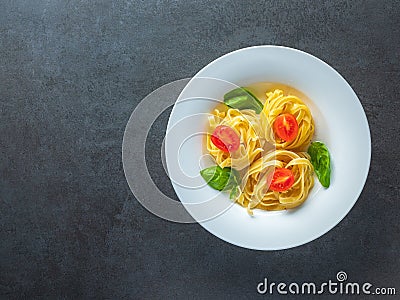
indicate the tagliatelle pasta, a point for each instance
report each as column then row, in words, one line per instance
column 266, row 148
column 255, row 190
column 247, row 125
column 277, row 104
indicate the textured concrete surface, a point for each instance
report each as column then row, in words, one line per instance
column 71, row 73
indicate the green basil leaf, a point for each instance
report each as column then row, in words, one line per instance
column 234, row 193
column 221, row 179
column 209, row 173
column 234, row 178
column 321, row 162
column 242, row 98
column 214, row 178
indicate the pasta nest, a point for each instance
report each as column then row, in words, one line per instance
column 255, row 191
column 277, row 104
column 248, row 127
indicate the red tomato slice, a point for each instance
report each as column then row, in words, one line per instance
column 286, row 127
column 282, row 180
column 225, row 138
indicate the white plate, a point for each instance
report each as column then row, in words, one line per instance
column 340, row 123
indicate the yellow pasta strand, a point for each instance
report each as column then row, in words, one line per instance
column 277, row 104
column 247, row 125
column 255, row 192
column 256, row 133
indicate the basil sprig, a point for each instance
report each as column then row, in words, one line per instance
column 242, row 98
column 222, row 179
column 321, row 162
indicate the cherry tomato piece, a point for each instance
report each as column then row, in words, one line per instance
column 225, row 139
column 282, row 180
column 286, row 127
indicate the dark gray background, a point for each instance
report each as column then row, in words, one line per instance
column 71, row 73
